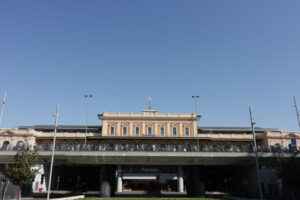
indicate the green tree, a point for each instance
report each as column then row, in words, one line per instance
column 21, row 172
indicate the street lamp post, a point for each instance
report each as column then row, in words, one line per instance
column 88, row 96
column 256, row 157
column 53, row 151
column 195, row 98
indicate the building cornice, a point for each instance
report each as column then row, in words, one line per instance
column 152, row 116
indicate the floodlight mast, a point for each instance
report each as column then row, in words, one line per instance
column 297, row 112
column 195, row 98
column 2, row 107
column 88, row 96
column 53, row 151
column 256, row 157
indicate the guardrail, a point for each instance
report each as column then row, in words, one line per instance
column 155, row 148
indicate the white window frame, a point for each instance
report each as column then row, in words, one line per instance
column 149, row 132
column 162, row 130
column 110, row 131
column 126, row 130
column 174, row 128
column 187, row 131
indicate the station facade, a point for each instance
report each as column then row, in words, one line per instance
column 148, row 153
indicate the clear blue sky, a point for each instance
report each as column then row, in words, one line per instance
column 234, row 54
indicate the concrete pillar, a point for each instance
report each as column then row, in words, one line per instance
column 106, row 182
column 119, row 179
column 180, row 179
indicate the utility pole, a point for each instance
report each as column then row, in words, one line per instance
column 256, row 157
column 297, row 112
column 53, row 151
column 195, row 98
column 2, row 107
column 87, row 116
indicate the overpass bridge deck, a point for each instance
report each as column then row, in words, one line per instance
column 153, row 158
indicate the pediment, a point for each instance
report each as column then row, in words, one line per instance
column 291, row 135
column 7, row 132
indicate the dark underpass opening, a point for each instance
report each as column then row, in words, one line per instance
column 226, row 179
column 76, row 178
column 197, row 180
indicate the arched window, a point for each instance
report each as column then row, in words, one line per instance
column 154, row 147
column 137, row 130
column 187, row 131
column 214, row 148
column 124, row 147
column 174, row 131
column 162, row 147
column 19, row 144
column 136, row 147
column 97, row 147
column 203, row 148
column 162, row 131
column 175, row 147
column 112, row 130
column 149, row 130
column 187, row 147
column 124, row 130
column 5, row 145
column 227, row 148
column 78, row 147
column 111, row 147
column 105, row 147
column 149, row 147
column 71, row 147
column 239, row 148
column 57, row 147
column 277, row 146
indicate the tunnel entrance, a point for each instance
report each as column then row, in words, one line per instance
column 225, row 179
column 76, row 178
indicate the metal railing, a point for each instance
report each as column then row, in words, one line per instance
column 155, row 148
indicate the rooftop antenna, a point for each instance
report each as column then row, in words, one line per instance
column 2, row 107
column 149, row 101
column 297, row 112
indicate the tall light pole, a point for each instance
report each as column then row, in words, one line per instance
column 53, row 150
column 2, row 107
column 256, row 157
column 87, row 96
column 195, row 98
column 297, row 112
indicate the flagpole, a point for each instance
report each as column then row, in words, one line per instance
column 2, row 107
column 53, row 150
